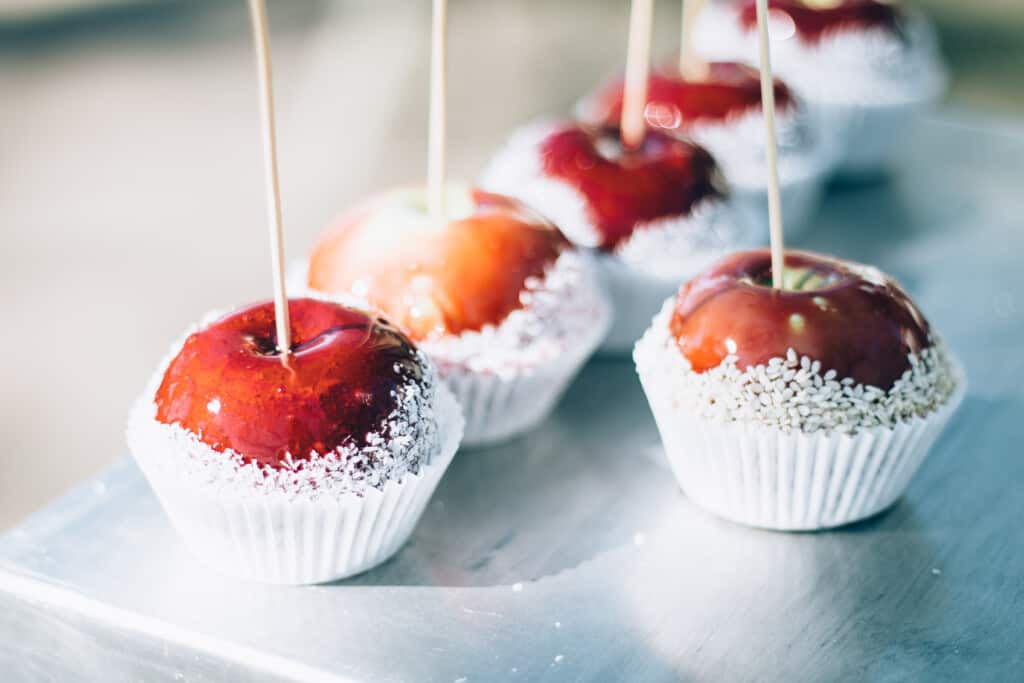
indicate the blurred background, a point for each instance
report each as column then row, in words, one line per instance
column 131, row 189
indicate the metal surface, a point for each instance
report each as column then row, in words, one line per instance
column 570, row 554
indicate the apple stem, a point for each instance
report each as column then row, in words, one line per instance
column 804, row 279
column 261, row 36
column 771, row 146
column 435, row 153
column 690, row 65
column 638, row 58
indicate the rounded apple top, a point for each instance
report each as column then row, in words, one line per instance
column 852, row 318
column 626, row 188
column 340, row 386
column 675, row 103
column 813, row 19
column 437, row 280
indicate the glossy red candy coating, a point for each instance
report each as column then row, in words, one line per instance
column 812, row 23
column 229, row 387
column 857, row 323
column 663, row 177
column 675, row 103
column 436, row 281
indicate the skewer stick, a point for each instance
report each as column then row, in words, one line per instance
column 771, row 147
column 638, row 58
column 690, row 66
column 435, row 153
column 261, row 36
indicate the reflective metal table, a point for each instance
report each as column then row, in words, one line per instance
column 570, row 554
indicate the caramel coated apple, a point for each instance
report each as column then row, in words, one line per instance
column 435, row 280
column 813, row 19
column 850, row 317
column 624, row 188
column 675, row 103
column 229, row 387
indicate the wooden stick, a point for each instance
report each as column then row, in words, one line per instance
column 771, row 147
column 690, row 66
column 435, row 153
column 261, row 36
column 638, row 58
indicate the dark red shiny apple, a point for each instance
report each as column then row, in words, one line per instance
column 623, row 187
column 676, row 103
column 434, row 280
column 812, row 20
column 851, row 318
column 229, row 387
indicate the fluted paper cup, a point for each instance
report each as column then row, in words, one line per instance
column 635, row 295
column 799, row 197
column 270, row 537
column 871, row 135
column 498, row 408
column 790, row 481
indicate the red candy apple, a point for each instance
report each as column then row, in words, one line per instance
column 676, row 103
column 813, row 19
column 663, row 177
column 431, row 279
column 851, row 318
column 229, row 387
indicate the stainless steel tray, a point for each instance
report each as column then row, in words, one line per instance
column 570, row 554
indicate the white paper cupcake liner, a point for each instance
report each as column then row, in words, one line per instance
column 498, row 407
column 868, row 138
column 635, row 295
column 800, row 198
column 791, row 481
column 274, row 539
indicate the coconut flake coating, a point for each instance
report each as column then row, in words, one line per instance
column 793, row 393
column 407, row 439
column 738, row 144
column 674, row 248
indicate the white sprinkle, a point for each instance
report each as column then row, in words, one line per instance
column 936, row 571
column 558, row 624
column 214, row 406
column 558, row 659
column 517, row 587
